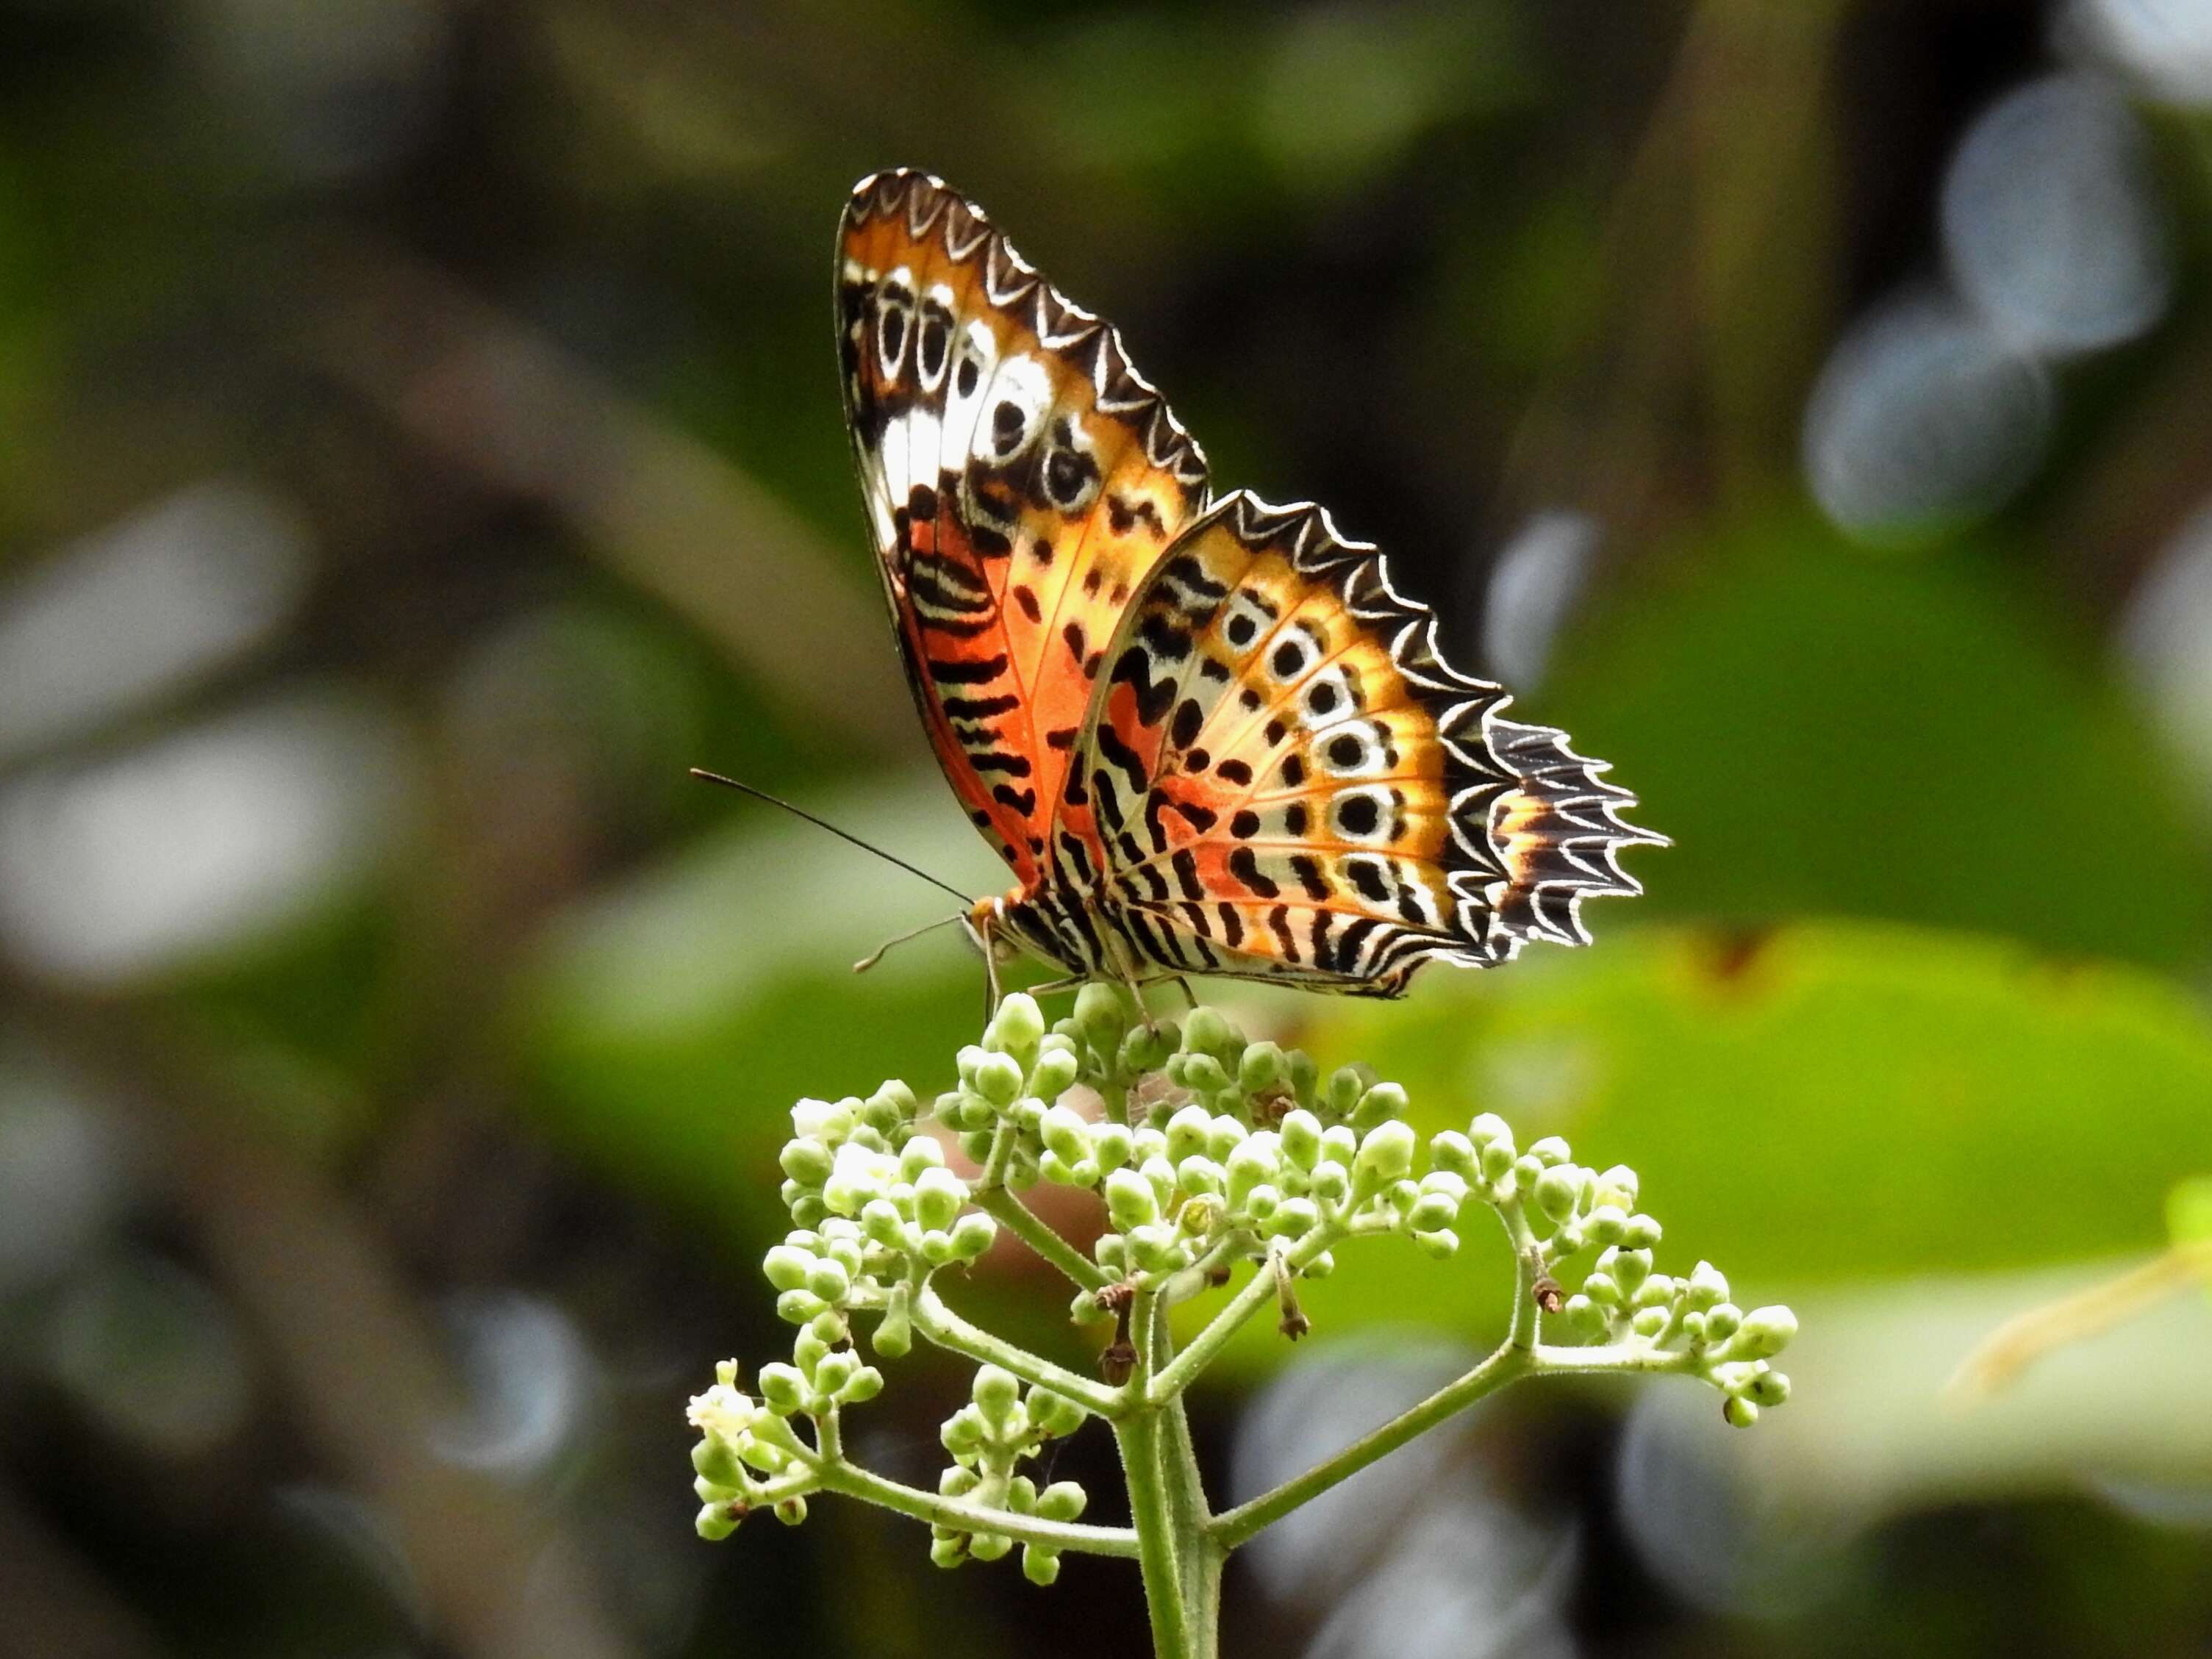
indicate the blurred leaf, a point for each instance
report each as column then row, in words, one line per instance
column 2189, row 1211
column 1821, row 732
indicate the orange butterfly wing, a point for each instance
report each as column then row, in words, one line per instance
column 1291, row 783
column 1021, row 478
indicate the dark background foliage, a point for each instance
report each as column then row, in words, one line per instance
column 419, row 442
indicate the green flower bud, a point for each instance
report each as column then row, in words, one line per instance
column 1200, row 1175
column 1440, row 1243
column 1345, row 1085
column 1641, row 1233
column 894, row 1333
column 1559, row 1190
column 938, row 1195
column 1147, row 1047
column 1453, row 1152
column 989, row 1545
column 1526, row 1168
column 833, row 1372
column 1600, row 1288
column 1655, row 1291
column 972, row 1235
column 1262, row 1067
column 976, row 1143
column 1262, row 1201
column 1158, row 1249
column 1738, row 1412
column 806, row 1161
column 1584, row 1316
column 1205, row 1074
column 1209, row 1032
column 1570, row 1240
column 1339, row 1145
column 1721, row 1321
column 1063, row 1500
column 1107, row 1145
column 1322, row 1265
column 864, row 1385
column 1301, row 1138
column 1111, row 1252
column 1551, row 1151
column 1254, row 1160
column 999, row 1079
column 716, row 1461
column 1130, row 1199
column 1330, row 1184
column 962, row 1433
column 1765, row 1332
column 782, row 1387
column 1497, row 1159
column 880, row 1219
column 1431, row 1212
column 1384, row 1156
column 1630, row 1269
column 920, row 1153
column 1055, row 1073
column 1040, row 1566
column 1708, row 1286
column 996, row 1393
column 1294, row 1219
column 786, row 1267
column 715, row 1522
column 1618, row 1187
column 1103, row 1014
column 1606, row 1224
column 797, row 1307
column 1186, row 1133
column 1018, row 1026
column 1488, row 1129
column 1768, row 1388
column 892, row 1104
column 1648, row 1321
column 949, row 1552
column 1055, row 1417
column 824, row 1121
column 829, row 1281
column 1383, row 1100
column 1304, row 1075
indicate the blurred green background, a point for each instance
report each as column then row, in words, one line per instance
column 419, row 443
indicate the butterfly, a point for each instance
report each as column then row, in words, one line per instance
column 1207, row 735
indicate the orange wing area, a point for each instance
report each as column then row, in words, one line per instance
column 1021, row 478
column 1291, row 782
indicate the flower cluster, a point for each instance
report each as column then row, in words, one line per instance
column 987, row 1438
column 1204, row 1151
column 1572, row 1210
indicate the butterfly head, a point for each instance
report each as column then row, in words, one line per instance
column 1013, row 924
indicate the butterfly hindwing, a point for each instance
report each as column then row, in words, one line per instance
column 1290, row 783
column 1021, row 479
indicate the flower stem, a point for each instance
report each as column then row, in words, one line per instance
column 856, row 1482
column 1235, row 1526
column 948, row 1330
column 1001, row 1203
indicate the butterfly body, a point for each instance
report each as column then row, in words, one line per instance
column 1206, row 736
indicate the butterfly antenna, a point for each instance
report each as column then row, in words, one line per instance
column 877, row 955
column 842, row 835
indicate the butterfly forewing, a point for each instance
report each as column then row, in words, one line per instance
column 1021, row 479
column 1291, row 783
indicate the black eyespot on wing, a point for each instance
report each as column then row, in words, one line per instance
column 1358, row 815
column 1234, row 771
